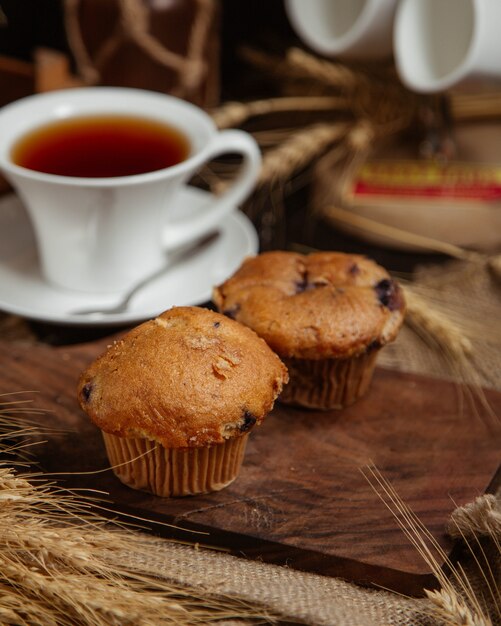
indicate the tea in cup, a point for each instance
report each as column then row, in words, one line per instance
column 99, row 170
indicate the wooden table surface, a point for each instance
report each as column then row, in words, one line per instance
column 301, row 498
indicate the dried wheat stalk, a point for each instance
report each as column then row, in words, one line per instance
column 299, row 150
column 418, row 241
column 282, row 161
column 456, row 603
column 61, row 564
column 326, row 72
column 479, row 518
column 435, row 326
column 451, row 341
column 348, row 217
column 386, row 103
column 451, row 609
column 233, row 114
column 299, row 65
column 274, row 65
column 374, row 111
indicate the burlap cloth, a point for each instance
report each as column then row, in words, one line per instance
column 293, row 596
column 468, row 294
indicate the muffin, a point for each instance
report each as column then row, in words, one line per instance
column 326, row 315
column 177, row 397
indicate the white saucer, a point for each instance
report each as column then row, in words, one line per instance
column 24, row 292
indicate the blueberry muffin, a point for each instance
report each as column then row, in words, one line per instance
column 326, row 315
column 177, row 397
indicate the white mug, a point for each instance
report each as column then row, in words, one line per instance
column 104, row 234
column 440, row 44
column 360, row 29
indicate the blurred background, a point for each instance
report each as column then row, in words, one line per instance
column 353, row 160
column 321, row 121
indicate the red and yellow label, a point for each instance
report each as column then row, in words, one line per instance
column 423, row 179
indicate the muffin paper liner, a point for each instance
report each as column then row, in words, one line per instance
column 328, row 383
column 148, row 466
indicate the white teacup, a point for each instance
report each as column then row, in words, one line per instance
column 441, row 44
column 104, row 234
column 352, row 28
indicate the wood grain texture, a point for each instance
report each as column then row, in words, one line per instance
column 301, row 498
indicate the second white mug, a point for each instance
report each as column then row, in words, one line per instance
column 440, row 44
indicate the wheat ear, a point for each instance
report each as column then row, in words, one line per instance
column 61, row 563
column 326, row 72
column 433, row 325
column 233, row 114
column 456, row 604
column 298, row 151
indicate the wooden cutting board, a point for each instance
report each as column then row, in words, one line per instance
column 301, row 498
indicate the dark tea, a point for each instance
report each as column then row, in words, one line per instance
column 101, row 146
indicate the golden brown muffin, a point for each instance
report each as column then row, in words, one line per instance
column 326, row 315
column 181, row 390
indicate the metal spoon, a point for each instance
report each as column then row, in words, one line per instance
column 175, row 258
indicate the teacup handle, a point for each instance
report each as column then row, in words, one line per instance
column 210, row 214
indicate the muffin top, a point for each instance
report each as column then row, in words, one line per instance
column 189, row 378
column 322, row 305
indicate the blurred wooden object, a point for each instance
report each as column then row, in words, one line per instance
column 168, row 47
column 16, row 79
column 171, row 47
column 52, row 71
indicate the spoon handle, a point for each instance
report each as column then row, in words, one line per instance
column 175, row 258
